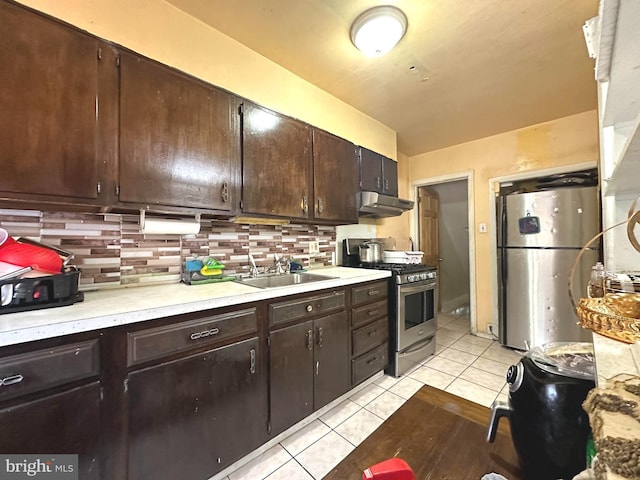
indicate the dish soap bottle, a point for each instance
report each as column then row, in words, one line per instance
column 595, row 288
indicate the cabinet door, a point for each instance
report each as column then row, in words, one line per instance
column 64, row 423
column 193, row 417
column 335, row 178
column 370, row 171
column 179, row 138
column 331, row 358
column 291, row 379
column 276, row 164
column 389, row 177
column 48, row 106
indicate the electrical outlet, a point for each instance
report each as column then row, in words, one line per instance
column 482, row 227
column 314, row 248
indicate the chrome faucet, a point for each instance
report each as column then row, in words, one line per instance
column 280, row 265
column 253, row 270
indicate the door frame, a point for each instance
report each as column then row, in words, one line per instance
column 494, row 188
column 415, row 222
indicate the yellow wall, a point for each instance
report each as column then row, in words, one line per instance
column 566, row 141
column 160, row 31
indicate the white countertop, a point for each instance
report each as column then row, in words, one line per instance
column 613, row 358
column 110, row 308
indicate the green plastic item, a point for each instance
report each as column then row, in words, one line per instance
column 591, row 450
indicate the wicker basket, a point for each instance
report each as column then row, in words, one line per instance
column 596, row 315
column 614, row 315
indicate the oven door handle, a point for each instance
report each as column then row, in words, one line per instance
column 421, row 345
column 408, row 289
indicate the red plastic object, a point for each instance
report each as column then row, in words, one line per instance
column 25, row 255
column 392, row 469
column 5, row 238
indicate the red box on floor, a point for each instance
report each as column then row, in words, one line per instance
column 392, row 469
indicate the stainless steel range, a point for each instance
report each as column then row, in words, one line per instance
column 413, row 292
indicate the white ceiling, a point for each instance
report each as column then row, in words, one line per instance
column 466, row 69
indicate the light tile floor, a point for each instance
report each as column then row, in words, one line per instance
column 465, row 365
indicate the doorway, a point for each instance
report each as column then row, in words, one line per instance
column 441, row 227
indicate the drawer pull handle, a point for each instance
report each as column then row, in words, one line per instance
column 369, row 362
column 252, row 356
column 11, row 380
column 204, row 334
column 371, row 293
column 373, row 312
column 309, row 339
column 372, row 333
column 309, row 308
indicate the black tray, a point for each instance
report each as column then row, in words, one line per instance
column 22, row 294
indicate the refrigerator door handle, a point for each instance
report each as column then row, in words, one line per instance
column 503, row 251
column 502, row 307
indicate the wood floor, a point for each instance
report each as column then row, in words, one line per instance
column 440, row 436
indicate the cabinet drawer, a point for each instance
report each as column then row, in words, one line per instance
column 48, row 367
column 368, row 364
column 363, row 315
column 285, row 312
column 368, row 293
column 158, row 342
column 370, row 336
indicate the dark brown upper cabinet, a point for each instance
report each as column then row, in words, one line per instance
column 50, row 124
column 378, row 173
column 179, row 139
column 292, row 170
column 276, row 164
column 335, row 178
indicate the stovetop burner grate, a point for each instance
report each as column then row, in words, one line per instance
column 398, row 267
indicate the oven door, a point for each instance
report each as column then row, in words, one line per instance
column 416, row 312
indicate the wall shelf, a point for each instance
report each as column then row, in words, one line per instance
column 619, row 61
column 618, row 76
column 621, row 171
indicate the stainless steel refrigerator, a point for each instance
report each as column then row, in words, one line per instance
column 539, row 236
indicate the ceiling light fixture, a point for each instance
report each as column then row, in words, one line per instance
column 377, row 30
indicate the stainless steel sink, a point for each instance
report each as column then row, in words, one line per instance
column 283, row 280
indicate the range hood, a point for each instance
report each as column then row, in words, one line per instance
column 376, row 205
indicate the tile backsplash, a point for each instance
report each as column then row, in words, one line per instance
column 111, row 251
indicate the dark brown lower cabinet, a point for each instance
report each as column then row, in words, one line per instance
column 331, row 355
column 62, row 423
column 191, row 418
column 309, row 367
column 290, row 380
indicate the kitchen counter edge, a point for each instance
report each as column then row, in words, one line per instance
column 123, row 306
